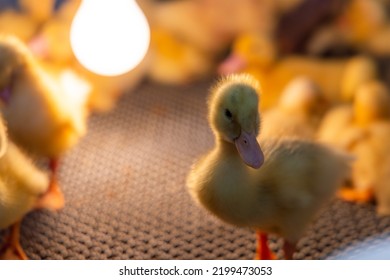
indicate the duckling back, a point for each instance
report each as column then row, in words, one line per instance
column 298, row 177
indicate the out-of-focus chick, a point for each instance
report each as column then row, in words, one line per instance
column 366, row 138
column 40, row 11
column 371, row 169
column 17, row 24
column 334, row 123
column 363, row 25
column 277, row 192
column 380, row 135
column 23, row 188
column 52, row 43
column 175, row 61
column 41, row 115
column 298, row 112
column 258, row 56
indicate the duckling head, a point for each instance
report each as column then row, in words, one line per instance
column 372, row 103
column 234, row 115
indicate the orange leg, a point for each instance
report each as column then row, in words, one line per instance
column 12, row 250
column 53, row 199
column 263, row 252
column 289, row 249
column 353, row 195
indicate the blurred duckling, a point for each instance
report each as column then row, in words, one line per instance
column 367, row 139
column 298, row 112
column 257, row 55
column 333, row 124
column 41, row 116
column 176, row 61
column 380, row 152
column 17, row 24
column 271, row 192
column 52, row 42
column 363, row 25
column 40, row 11
column 23, row 188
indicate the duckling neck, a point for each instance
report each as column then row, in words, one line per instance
column 226, row 147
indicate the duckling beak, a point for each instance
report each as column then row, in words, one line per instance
column 233, row 64
column 249, row 149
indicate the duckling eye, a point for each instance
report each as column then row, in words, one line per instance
column 228, row 114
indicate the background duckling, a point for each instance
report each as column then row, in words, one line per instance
column 367, row 138
column 298, row 112
column 41, row 116
column 17, row 24
column 370, row 171
column 362, row 25
column 23, row 187
column 294, row 178
column 257, row 55
column 335, row 121
column 380, row 135
column 39, row 11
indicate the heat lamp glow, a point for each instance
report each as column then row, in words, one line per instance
column 109, row 37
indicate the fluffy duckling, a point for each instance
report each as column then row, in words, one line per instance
column 41, row 117
column 17, row 24
column 371, row 169
column 257, row 55
column 176, row 61
column 278, row 191
column 298, row 112
column 366, row 138
column 335, row 121
column 23, row 188
column 39, row 11
column 378, row 144
column 52, row 43
column 363, row 25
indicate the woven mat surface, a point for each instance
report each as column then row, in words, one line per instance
column 126, row 197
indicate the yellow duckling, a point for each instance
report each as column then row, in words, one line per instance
column 279, row 191
column 23, row 188
column 52, row 43
column 177, row 61
column 41, row 116
column 40, row 11
column 378, row 143
column 332, row 126
column 371, row 170
column 298, row 112
column 367, row 138
column 17, row 24
column 363, row 25
column 257, row 55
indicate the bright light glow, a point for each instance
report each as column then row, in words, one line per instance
column 109, row 37
column 74, row 87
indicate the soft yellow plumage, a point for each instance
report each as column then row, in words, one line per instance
column 367, row 137
column 297, row 113
column 40, row 116
column 257, row 55
column 23, row 188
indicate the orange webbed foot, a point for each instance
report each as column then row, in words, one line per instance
column 263, row 251
column 359, row 196
column 11, row 249
column 53, row 199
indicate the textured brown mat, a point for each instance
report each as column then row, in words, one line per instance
column 126, row 197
